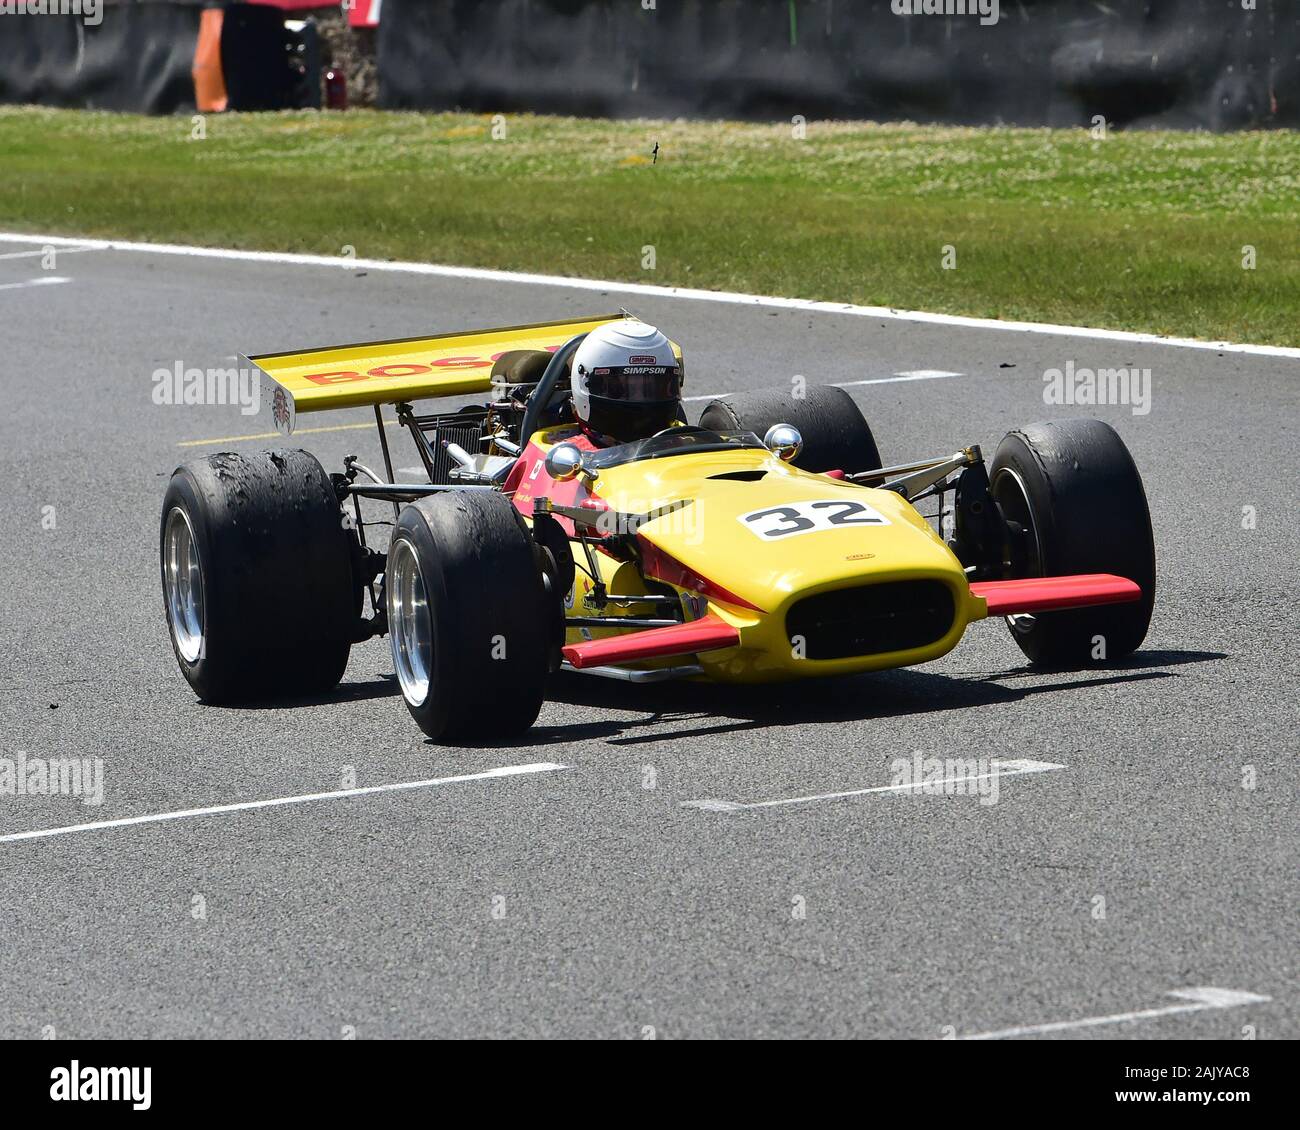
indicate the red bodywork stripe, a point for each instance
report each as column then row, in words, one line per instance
column 528, row 481
column 1050, row 594
column 663, row 566
column 706, row 634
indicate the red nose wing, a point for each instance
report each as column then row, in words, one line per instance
column 706, row 634
column 1051, row 594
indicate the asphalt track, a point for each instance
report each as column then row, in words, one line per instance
column 578, row 901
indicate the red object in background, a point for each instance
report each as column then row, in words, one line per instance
column 364, row 13
column 336, row 89
column 361, row 13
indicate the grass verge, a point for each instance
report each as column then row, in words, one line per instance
column 1141, row 231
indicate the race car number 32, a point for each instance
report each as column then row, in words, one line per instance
column 776, row 522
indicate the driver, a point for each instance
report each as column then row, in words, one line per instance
column 627, row 383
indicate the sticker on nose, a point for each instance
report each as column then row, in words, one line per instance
column 776, row 522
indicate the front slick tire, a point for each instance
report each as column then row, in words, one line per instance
column 1074, row 486
column 467, row 617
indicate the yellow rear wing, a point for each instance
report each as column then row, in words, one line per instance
column 392, row 372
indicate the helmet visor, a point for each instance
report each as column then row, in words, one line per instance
column 636, row 383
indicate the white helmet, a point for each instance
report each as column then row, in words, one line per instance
column 627, row 382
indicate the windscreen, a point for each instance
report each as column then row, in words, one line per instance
column 676, row 442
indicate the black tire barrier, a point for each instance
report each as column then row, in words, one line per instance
column 1169, row 63
column 137, row 59
column 140, row 57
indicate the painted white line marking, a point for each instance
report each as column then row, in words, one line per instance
column 684, row 293
column 1200, row 999
column 37, row 251
column 1014, row 767
column 913, row 375
column 49, row 280
column 243, row 806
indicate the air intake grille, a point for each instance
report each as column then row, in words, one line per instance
column 871, row 619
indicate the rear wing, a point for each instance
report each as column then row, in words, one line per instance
column 394, row 372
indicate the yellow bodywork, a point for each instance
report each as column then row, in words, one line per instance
column 709, row 538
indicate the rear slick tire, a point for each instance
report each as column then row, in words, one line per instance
column 258, row 576
column 836, row 436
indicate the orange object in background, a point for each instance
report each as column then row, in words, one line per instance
column 209, row 81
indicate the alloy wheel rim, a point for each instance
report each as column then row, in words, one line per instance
column 183, row 581
column 1016, row 505
column 410, row 624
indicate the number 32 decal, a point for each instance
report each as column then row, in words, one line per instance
column 806, row 517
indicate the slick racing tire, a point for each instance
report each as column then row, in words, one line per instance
column 468, row 616
column 1073, row 486
column 835, row 434
column 258, row 576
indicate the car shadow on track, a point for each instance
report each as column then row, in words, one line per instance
column 882, row 694
column 1139, row 661
column 385, row 686
column 722, row 709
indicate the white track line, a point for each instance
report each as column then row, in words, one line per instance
column 243, row 806
column 49, row 280
column 913, row 375
column 685, row 293
column 1010, row 768
column 1200, row 999
column 908, row 375
column 35, row 251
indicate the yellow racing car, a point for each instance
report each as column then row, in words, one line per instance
column 765, row 542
